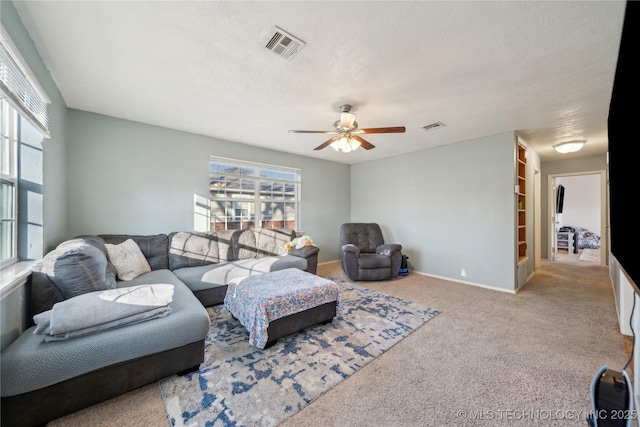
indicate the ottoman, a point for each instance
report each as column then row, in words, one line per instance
column 276, row 304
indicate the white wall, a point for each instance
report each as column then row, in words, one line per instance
column 132, row 178
column 451, row 208
column 582, row 202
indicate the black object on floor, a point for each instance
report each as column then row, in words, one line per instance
column 611, row 396
column 404, row 266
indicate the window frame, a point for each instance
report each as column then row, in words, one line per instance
column 242, row 196
column 9, row 176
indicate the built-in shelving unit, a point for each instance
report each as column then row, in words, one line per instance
column 521, row 166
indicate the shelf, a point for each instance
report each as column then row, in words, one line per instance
column 565, row 242
column 521, row 208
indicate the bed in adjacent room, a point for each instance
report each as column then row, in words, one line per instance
column 586, row 239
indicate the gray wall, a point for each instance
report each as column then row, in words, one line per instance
column 579, row 164
column 450, row 207
column 128, row 177
column 52, row 203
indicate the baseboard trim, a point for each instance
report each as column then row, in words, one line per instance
column 328, row 262
column 465, row 282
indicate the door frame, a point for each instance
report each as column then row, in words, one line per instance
column 603, row 211
column 553, row 225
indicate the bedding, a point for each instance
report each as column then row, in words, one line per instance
column 587, row 239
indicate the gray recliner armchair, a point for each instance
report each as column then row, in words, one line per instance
column 364, row 254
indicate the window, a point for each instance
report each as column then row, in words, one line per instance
column 247, row 195
column 19, row 86
column 23, row 123
column 8, row 183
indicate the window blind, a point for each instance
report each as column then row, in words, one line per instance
column 20, row 89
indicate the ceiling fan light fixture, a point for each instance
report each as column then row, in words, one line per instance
column 348, row 136
column 347, row 120
column 346, row 144
column 569, row 146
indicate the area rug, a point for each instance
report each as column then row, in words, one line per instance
column 241, row 385
column 591, row 255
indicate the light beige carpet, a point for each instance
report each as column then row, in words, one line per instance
column 511, row 359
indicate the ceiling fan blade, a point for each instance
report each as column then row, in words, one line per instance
column 363, row 142
column 324, row 144
column 329, row 132
column 395, row 129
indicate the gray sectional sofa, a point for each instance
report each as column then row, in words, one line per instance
column 43, row 378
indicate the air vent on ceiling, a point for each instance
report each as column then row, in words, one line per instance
column 284, row 44
column 432, row 126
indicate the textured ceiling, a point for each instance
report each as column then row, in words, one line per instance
column 544, row 69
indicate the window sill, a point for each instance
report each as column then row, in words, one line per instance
column 14, row 275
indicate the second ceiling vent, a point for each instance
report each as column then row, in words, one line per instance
column 284, row 44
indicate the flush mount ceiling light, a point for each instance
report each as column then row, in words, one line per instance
column 569, row 146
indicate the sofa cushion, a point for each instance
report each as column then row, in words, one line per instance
column 208, row 276
column 227, row 240
column 154, row 247
column 30, row 364
column 75, row 267
column 271, row 242
column 365, row 236
column 128, row 259
column 200, row 278
column 191, row 249
column 44, row 292
column 245, row 245
column 367, row 260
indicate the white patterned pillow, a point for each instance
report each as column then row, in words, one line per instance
column 128, row 259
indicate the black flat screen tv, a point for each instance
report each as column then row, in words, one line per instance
column 559, row 198
column 624, row 179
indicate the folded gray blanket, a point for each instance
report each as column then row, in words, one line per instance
column 101, row 310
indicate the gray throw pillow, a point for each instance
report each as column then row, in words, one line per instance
column 75, row 267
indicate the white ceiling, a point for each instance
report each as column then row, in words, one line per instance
column 544, row 69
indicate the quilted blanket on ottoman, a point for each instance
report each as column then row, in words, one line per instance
column 257, row 300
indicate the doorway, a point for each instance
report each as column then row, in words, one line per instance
column 577, row 217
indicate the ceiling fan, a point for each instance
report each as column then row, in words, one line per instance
column 347, row 133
